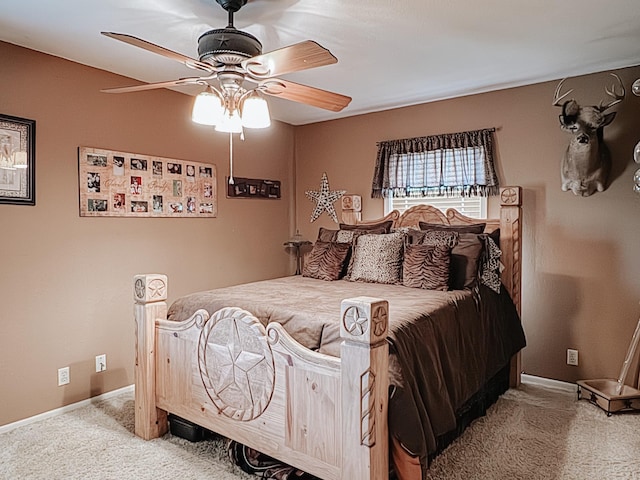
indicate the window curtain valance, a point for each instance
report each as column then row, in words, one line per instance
column 449, row 164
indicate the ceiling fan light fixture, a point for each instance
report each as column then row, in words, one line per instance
column 255, row 112
column 207, row 108
column 230, row 122
column 232, row 56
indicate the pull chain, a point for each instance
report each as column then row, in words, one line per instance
column 231, row 158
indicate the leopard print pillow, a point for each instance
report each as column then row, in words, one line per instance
column 377, row 258
column 490, row 268
column 436, row 237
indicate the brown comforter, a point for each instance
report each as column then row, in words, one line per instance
column 445, row 345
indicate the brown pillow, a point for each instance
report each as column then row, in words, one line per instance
column 386, row 226
column 426, row 266
column 470, row 228
column 326, row 261
column 326, row 235
column 495, row 236
column 465, row 260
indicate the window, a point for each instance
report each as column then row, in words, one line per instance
column 474, row 207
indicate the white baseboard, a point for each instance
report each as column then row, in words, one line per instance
column 548, row 382
column 67, row 408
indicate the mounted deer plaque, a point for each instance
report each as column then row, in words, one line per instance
column 587, row 162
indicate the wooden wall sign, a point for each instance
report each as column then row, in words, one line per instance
column 121, row 184
column 253, row 188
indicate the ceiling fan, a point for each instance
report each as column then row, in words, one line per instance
column 229, row 57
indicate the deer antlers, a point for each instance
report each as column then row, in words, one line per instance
column 617, row 97
column 556, row 96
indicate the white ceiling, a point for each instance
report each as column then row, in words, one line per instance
column 391, row 53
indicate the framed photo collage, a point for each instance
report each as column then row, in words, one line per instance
column 120, row 184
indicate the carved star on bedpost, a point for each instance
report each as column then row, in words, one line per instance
column 324, row 199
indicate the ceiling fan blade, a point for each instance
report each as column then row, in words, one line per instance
column 151, row 86
column 305, row 94
column 165, row 52
column 300, row 56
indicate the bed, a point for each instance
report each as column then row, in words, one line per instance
column 322, row 375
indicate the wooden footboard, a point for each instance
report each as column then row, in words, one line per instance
column 324, row 415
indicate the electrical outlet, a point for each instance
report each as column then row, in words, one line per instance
column 572, row 357
column 101, row 362
column 63, row 376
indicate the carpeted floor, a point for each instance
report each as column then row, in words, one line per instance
column 531, row 433
column 535, row 433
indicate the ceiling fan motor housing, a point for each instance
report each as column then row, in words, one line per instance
column 231, row 5
column 227, row 46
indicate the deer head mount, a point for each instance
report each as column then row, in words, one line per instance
column 587, row 162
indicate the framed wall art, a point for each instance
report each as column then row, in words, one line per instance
column 17, row 160
column 121, row 184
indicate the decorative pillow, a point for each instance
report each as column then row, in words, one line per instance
column 411, row 235
column 426, row 266
column 326, row 235
column 347, row 236
column 350, row 236
column 386, row 226
column 435, row 237
column 495, row 236
column 465, row 260
column 470, row 228
column 377, row 259
column 490, row 268
column 466, row 252
column 326, row 261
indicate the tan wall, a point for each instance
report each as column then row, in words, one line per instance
column 65, row 281
column 581, row 264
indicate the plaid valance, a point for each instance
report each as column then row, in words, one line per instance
column 449, row 164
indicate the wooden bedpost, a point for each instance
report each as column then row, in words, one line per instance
column 365, row 382
column 149, row 293
column 511, row 242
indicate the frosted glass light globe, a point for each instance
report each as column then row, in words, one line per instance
column 207, row 108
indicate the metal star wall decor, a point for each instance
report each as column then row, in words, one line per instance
column 324, row 199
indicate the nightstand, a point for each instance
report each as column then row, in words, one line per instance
column 297, row 242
